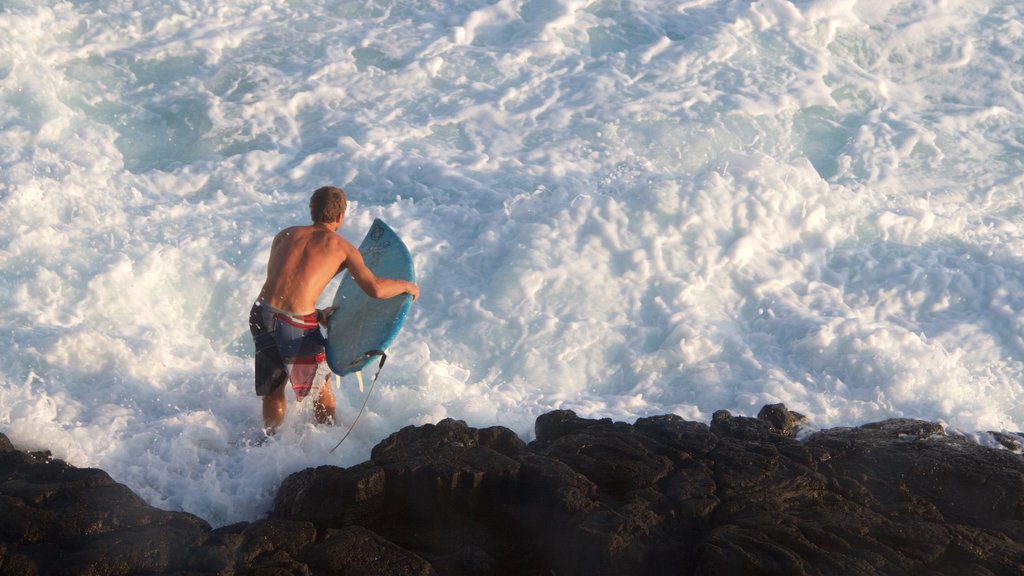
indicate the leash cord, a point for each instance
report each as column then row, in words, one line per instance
column 370, row 354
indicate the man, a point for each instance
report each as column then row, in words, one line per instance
column 284, row 321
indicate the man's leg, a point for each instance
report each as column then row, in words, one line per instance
column 323, row 408
column 274, row 406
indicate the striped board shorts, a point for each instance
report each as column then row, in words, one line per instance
column 289, row 347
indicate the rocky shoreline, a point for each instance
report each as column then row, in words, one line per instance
column 588, row 497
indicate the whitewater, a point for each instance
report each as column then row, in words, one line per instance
column 620, row 207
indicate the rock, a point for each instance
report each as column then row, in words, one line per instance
column 275, row 544
column 616, row 457
column 667, row 496
column 554, row 425
column 62, row 519
column 446, row 467
column 782, row 420
column 589, row 496
column 329, row 495
column 354, row 550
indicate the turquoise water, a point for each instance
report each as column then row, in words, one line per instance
column 623, row 208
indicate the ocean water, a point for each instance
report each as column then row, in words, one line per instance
column 620, row 207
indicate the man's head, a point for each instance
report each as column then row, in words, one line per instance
column 327, row 204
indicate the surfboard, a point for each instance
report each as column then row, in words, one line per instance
column 362, row 327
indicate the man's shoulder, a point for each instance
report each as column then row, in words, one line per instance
column 291, row 231
column 342, row 245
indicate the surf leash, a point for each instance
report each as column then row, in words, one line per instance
column 383, row 357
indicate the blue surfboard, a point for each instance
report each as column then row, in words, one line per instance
column 362, row 327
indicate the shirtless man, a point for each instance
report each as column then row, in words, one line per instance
column 284, row 321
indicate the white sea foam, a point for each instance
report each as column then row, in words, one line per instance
column 620, row 208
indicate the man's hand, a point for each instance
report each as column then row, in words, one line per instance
column 323, row 315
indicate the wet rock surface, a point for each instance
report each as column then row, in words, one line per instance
column 589, row 496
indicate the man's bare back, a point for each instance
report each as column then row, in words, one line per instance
column 303, row 259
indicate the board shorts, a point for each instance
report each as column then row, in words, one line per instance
column 289, row 347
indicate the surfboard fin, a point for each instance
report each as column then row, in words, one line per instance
column 359, row 378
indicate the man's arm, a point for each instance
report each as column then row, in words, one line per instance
column 373, row 285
